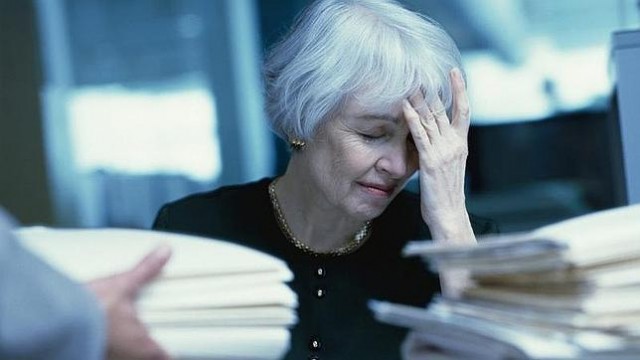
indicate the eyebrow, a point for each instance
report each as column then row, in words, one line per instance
column 385, row 117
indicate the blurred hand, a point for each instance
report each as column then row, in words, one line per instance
column 127, row 337
column 442, row 151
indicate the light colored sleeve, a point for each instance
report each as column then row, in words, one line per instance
column 43, row 314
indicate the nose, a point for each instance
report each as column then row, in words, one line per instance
column 396, row 160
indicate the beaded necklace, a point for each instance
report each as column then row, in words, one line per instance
column 358, row 239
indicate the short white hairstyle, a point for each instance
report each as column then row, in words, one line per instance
column 374, row 51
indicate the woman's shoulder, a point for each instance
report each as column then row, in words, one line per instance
column 225, row 195
column 221, row 203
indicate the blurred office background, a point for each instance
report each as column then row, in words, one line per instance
column 109, row 108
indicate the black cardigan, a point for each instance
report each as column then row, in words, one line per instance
column 334, row 321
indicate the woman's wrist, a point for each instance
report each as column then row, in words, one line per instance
column 451, row 228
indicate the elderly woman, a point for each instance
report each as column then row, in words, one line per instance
column 367, row 93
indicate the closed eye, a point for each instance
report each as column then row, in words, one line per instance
column 371, row 137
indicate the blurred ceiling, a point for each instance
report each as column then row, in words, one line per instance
column 506, row 26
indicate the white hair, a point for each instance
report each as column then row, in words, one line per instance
column 374, row 51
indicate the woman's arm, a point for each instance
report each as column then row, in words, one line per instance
column 442, row 152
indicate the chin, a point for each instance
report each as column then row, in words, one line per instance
column 366, row 212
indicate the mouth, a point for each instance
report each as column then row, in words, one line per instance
column 377, row 189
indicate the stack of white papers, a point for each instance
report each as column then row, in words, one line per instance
column 214, row 299
column 568, row 290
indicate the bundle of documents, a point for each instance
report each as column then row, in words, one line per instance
column 213, row 300
column 570, row 290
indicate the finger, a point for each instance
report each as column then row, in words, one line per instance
column 461, row 113
column 440, row 114
column 418, row 132
column 418, row 102
column 147, row 269
column 426, row 118
column 153, row 350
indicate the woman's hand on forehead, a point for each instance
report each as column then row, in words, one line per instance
column 441, row 143
column 433, row 117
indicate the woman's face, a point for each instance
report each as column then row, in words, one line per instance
column 361, row 159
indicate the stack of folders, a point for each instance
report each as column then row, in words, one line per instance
column 214, row 299
column 570, row 290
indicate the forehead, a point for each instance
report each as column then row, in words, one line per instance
column 369, row 108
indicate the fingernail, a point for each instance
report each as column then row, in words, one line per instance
column 455, row 73
column 458, row 74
